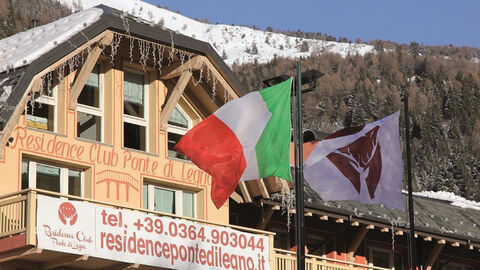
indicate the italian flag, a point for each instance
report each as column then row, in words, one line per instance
column 247, row 138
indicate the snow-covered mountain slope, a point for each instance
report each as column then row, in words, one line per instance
column 234, row 43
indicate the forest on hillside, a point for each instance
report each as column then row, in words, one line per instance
column 444, row 99
column 20, row 15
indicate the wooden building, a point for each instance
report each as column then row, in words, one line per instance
column 90, row 109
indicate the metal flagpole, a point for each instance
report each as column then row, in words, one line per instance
column 411, row 213
column 299, row 194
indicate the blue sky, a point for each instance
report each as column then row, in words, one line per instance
column 439, row 22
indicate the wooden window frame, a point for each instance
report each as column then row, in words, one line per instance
column 146, row 109
column 32, row 176
column 178, row 198
column 51, row 101
column 100, row 111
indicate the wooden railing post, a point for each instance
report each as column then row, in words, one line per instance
column 271, row 253
column 31, row 238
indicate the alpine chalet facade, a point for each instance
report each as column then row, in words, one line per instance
column 91, row 107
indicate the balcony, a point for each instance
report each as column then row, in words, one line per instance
column 19, row 243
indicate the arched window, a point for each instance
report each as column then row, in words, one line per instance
column 178, row 124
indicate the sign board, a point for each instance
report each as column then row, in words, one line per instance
column 134, row 237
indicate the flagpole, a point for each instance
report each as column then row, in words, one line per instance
column 411, row 213
column 299, row 194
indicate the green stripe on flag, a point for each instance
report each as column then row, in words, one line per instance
column 273, row 147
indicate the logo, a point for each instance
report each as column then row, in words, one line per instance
column 67, row 213
column 361, row 161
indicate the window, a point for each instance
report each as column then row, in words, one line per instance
column 169, row 200
column 90, row 107
column 41, row 111
column 52, row 178
column 178, row 124
column 386, row 258
column 135, row 108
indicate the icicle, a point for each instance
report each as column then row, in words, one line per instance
column 182, row 59
column 131, row 40
column 214, row 90
column 286, row 198
column 209, row 74
column 196, row 82
column 225, row 95
column 393, row 233
column 49, row 83
column 172, row 50
column 154, row 54
column 190, row 68
column 61, row 72
column 160, row 50
column 144, row 47
column 126, row 25
column 114, row 47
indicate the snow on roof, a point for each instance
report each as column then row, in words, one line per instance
column 450, row 197
column 236, row 41
column 23, row 48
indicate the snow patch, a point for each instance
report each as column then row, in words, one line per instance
column 235, row 41
column 23, row 48
column 450, row 197
column 5, row 92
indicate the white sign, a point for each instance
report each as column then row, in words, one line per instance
column 147, row 239
column 66, row 226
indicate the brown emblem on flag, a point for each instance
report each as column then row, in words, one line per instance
column 360, row 161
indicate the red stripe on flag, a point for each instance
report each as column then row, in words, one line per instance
column 214, row 148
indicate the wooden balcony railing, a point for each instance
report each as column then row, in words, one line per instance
column 18, row 215
column 287, row 260
column 12, row 215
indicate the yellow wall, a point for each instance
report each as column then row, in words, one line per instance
column 125, row 169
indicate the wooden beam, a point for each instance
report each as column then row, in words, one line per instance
column 355, row 224
column 385, row 229
column 173, row 99
column 308, row 214
column 64, row 260
column 339, row 220
column 87, row 68
column 323, row 217
column 442, row 241
column 176, row 69
column 265, row 218
column 427, row 238
column 19, row 253
column 236, row 197
column 399, row 232
column 245, row 192
column 432, row 258
column 263, row 188
column 353, row 247
column 455, row 244
column 370, row 227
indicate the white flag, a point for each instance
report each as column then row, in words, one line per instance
column 362, row 164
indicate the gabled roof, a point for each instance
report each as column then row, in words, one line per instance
column 77, row 29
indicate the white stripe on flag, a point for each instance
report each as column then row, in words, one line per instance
column 247, row 118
